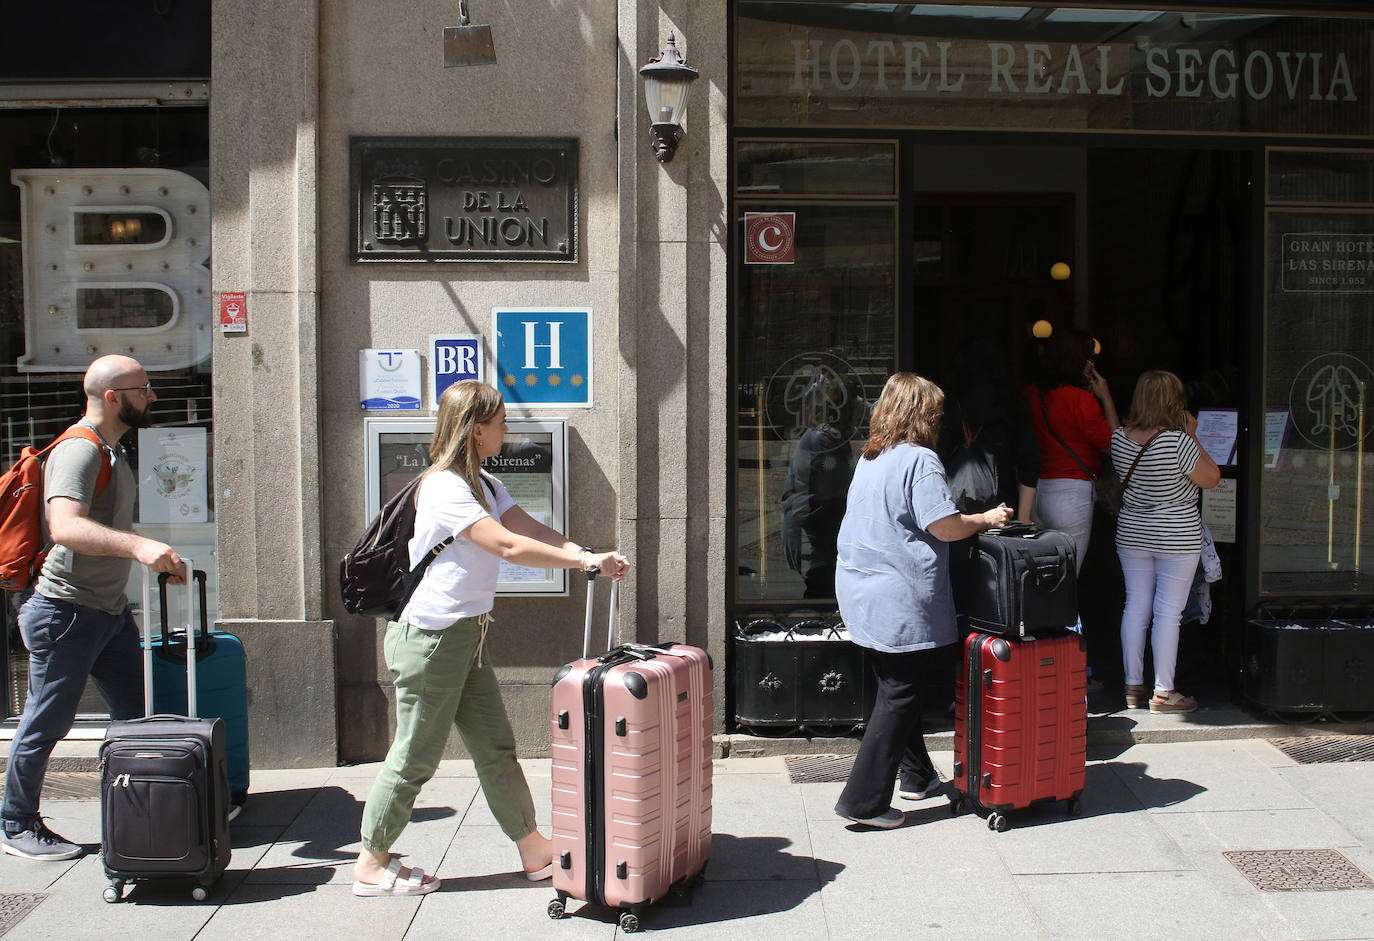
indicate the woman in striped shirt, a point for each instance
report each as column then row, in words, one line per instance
column 1159, row 531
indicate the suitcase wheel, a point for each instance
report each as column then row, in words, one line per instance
column 113, row 892
column 997, row 822
column 629, row 922
column 1074, row 806
column 200, row 893
column 557, row 910
column 959, row 806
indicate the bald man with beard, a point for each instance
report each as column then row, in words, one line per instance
column 77, row 622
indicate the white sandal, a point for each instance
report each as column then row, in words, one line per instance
column 392, row 884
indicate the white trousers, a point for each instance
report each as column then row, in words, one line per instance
column 1157, row 586
column 1065, row 504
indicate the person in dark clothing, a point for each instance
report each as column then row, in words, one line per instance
column 987, row 445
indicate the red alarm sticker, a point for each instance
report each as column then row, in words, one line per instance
column 233, row 312
column 770, row 238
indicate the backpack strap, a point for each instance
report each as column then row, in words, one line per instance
column 102, row 477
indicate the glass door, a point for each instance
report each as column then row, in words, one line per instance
column 1315, row 497
column 815, row 330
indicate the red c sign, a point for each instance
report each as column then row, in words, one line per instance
column 770, row 238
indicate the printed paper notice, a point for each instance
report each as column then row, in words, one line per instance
column 1275, row 436
column 172, row 485
column 1217, row 429
column 1219, row 510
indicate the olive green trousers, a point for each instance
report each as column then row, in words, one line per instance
column 439, row 685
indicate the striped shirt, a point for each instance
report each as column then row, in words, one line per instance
column 1159, row 508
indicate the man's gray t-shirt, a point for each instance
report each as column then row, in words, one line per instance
column 94, row 581
column 892, row 578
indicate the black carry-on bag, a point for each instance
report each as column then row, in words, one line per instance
column 1022, row 581
column 164, row 786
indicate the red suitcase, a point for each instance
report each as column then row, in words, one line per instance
column 1020, row 737
column 631, row 773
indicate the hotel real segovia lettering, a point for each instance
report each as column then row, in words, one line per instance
column 923, row 67
column 464, row 199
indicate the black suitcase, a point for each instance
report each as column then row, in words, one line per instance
column 164, row 789
column 1022, row 580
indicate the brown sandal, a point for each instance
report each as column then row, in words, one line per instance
column 1136, row 696
column 1172, row 701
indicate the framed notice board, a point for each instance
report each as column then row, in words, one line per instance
column 532, row 466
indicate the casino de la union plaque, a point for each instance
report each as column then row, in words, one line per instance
column 459, row 199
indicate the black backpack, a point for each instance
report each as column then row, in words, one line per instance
column 375, row 579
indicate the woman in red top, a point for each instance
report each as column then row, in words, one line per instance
column 1074, row 426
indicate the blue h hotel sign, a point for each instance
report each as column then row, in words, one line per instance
column 544, row 356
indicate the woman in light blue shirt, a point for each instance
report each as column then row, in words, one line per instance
column 892, row 583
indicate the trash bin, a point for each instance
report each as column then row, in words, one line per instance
column 1309, row 667
column 805, row 676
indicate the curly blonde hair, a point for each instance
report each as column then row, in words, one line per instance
column 1158, row 401
column 908, row 411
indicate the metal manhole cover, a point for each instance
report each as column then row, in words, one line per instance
column 818, row 769
column 14, row 906
column 69, row 786
column 1315, row 749
column 1298, row 870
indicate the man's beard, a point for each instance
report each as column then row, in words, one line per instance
column 133, row 417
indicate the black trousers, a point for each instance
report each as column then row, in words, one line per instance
column 894, row 738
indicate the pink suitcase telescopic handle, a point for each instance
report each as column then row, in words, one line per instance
column 610, row 627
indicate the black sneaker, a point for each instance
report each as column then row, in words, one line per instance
column 38, row 842
column 914, row 789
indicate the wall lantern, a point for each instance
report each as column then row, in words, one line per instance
column 666, row 80
column 1042, row 329
column 1060, row 271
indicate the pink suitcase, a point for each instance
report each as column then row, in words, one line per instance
column 631, row 773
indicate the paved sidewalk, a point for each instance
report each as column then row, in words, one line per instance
column 1144, row 860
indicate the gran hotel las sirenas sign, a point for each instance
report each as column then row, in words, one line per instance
column 1269, row 75
column 447, row 199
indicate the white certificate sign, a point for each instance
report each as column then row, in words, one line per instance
column 172, row 480
column 1219, row 510
column 389, row 380
column 1217, row 429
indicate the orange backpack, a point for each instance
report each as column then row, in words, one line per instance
column 21, row 511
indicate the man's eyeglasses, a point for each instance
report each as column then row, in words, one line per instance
column 146, row 388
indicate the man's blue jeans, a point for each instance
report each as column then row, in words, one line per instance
column 67, row 643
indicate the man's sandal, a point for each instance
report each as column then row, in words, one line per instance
column 413, row 884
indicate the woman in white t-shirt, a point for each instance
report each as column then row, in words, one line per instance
column 435, row 649
column 1159, row 531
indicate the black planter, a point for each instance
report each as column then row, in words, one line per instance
column 804, row 676
column 1318, row 666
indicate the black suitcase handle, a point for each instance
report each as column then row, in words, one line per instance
column 1015, row 530
column 202, row 638
column 192, row 576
